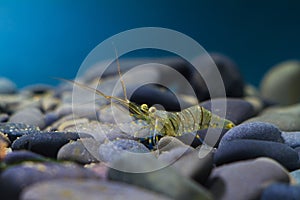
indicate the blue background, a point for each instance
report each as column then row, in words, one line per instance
column 43, row 39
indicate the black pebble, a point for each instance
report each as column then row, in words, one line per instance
column 46, row 143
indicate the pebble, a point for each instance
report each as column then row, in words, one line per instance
column 254, row 131
column 87, row 189
column 46, row 143
column 286, row 118
column 296, row 176
column 160, row 178
column 15, row 130
column 15, row 178
column 248, row 149
column 31, row 116
column 232, row 79
column 291, row 138
column 82, row 151
column 281, row 191
column 246, row 179
column 190, row 163
column 281, row 83
column 168, row 143
column 16, row 157
column 4, row 117
column 237, row 110
column 113, row 150
column 7, row 86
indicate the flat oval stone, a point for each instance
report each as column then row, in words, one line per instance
column 46, row 143
column 16, row 157
column 280, row 84
column 14, row 179
column 248, row 149
column 15, row 130
column 82, row 151
column 86, row 189
column 31, row 116
column 281, row 191
column 254, row 130
column 245, row 179
column 237, row 110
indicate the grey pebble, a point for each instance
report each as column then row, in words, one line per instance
column 31, row 116
column 7, row 86
column 246, row 179
column 87, row 189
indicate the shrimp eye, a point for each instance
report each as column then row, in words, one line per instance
column 152, row 109
column 144, row 107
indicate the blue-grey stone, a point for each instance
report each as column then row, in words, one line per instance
column 281, row 191
column 31, row 116
column 248, row 149
column 254, row 131
column 291, row 138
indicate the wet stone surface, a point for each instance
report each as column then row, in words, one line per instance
column 67, row 142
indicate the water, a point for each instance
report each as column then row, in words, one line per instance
column 44, row 39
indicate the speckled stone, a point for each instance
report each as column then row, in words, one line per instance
column 83, row 151
column 87, row 189
column 246, row 179
column 291, row 138
column 15, row 130
column 113, row 150
column 281, row 83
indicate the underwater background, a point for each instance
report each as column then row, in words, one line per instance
column 49, row 38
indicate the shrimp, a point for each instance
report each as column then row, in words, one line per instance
column 163, row 123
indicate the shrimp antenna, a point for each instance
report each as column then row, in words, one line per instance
column 120, row 74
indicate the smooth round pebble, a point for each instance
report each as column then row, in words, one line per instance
column 237, row 110
column 113, row 150
column 281, row 191
column 248, row 149
column 254, row 131
column 245, row 179
column 14, row 179
column 82, row 151
column 4, row 117
column 168, row 143
column 30, row 116
column 7, row 86
column 87, row 189
column 15, row 130
column 46, row 143
column 281, row 83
